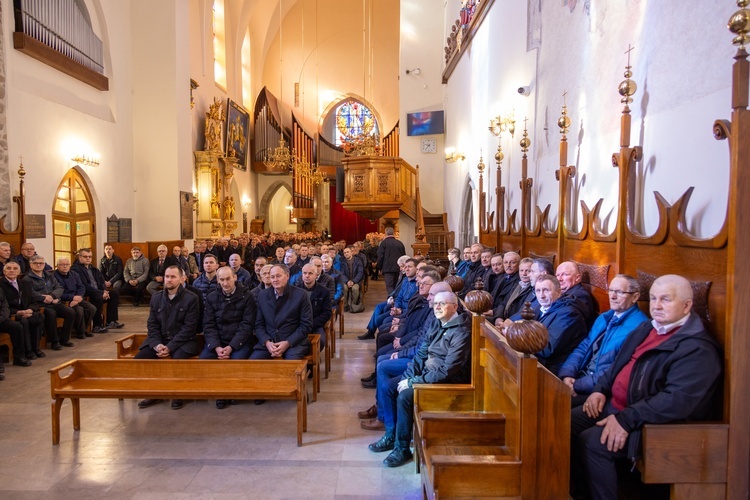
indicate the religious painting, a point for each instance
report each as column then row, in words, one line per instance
column 238, row 127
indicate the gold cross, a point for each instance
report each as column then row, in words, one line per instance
column 630, row 49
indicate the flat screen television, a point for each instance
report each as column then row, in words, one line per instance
column 425, row 123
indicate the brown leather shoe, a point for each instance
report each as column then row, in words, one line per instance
column 372, row 425
column 371, row 412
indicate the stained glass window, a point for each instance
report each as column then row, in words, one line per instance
column 354, row 119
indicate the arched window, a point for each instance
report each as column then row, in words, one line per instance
column 353, row 119
column 73, row 217
column 247, row 90
column 220, row 51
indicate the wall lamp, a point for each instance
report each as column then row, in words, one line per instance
column 85, row 160
column 500, row 124
column 452, row 156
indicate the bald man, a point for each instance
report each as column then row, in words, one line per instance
column 569, row 277
column 667, row 370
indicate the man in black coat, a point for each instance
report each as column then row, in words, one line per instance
column 320, row 300
column 73, row 292
column 283, row 320
column 25, row 331
column 570, row 284
column 172, row 323
column 97, row 293
column 229, row 321
column 666, row 371
column 389, row 251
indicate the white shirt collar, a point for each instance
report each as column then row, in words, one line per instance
column 664, row 329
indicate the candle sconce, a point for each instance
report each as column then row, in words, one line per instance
column 452, row 156
column 500, row 124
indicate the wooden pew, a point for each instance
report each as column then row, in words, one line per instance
column 175, row 378
column 127, row 348
column 508, row 434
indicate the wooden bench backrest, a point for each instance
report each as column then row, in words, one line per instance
column 195, row 370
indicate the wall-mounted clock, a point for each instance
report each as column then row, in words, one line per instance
column 429, row 145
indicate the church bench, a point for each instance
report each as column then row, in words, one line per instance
column 128, row 346
column 177, row 379
column 502, row 435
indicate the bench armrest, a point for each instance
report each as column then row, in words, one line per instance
column 443, row 397
column 462, row 428
column 127, row 346
column 685, row 453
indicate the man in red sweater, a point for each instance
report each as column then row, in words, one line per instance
column 667, row 370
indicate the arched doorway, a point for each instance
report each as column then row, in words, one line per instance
column 466, row 223
column 273, row 207
column 73, row 217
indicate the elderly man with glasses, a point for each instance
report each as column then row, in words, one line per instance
column 442, row 358
column 596, row 353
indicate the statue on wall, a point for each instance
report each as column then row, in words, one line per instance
column 214, row 121
column 229, row 208
column 215, row 212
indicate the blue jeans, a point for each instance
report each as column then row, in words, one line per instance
column 398, row 413
column 387, row 370
column 375, row 321
column 241, row 353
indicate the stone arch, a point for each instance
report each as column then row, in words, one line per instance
column 269, row 194
column 466, row 222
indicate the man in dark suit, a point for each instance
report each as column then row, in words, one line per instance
column 97, row 293
column 284, row 319
column 172, row 323
column 200, row 249
column 25, row 331
column 389, row 251
column 157, row 267
column 320, row 300
column 522, row 291
column 569, row 277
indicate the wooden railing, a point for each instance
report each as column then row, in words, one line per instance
column 390, row 142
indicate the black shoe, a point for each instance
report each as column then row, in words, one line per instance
column 367, row 335
column 81, row 337
column 221, row 404
column 2, row 377
column 56, row 346
column 398, row 457
column 99, row 329
column 21, row 362
column 115, row 325
column 31, row 356
column 89, row 334
column 136, row 304
column 177, row 404
column 370, row 384
column 259, row 402
column 148, row 402
column 368, row 378
column 2, row 368
column 384, row 444
column 67, row 343
column 40, row 354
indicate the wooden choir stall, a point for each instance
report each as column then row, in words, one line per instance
column 506, row 434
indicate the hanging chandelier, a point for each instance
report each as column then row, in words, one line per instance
column 280, row 158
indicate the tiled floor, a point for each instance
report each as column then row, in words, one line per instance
column 244, row 451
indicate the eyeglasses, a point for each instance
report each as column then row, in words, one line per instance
column 442, row 304
column 424, row 283
column 620, row 293
column 37, row 263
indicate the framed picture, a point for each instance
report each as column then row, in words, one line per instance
column 238, row 126
column 186, row 215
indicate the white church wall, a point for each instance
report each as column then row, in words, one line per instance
column 682, row 87
column 53, row 117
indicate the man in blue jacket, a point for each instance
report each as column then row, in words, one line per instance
column 666, row 371
column 596, row 353
column 563, row 320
